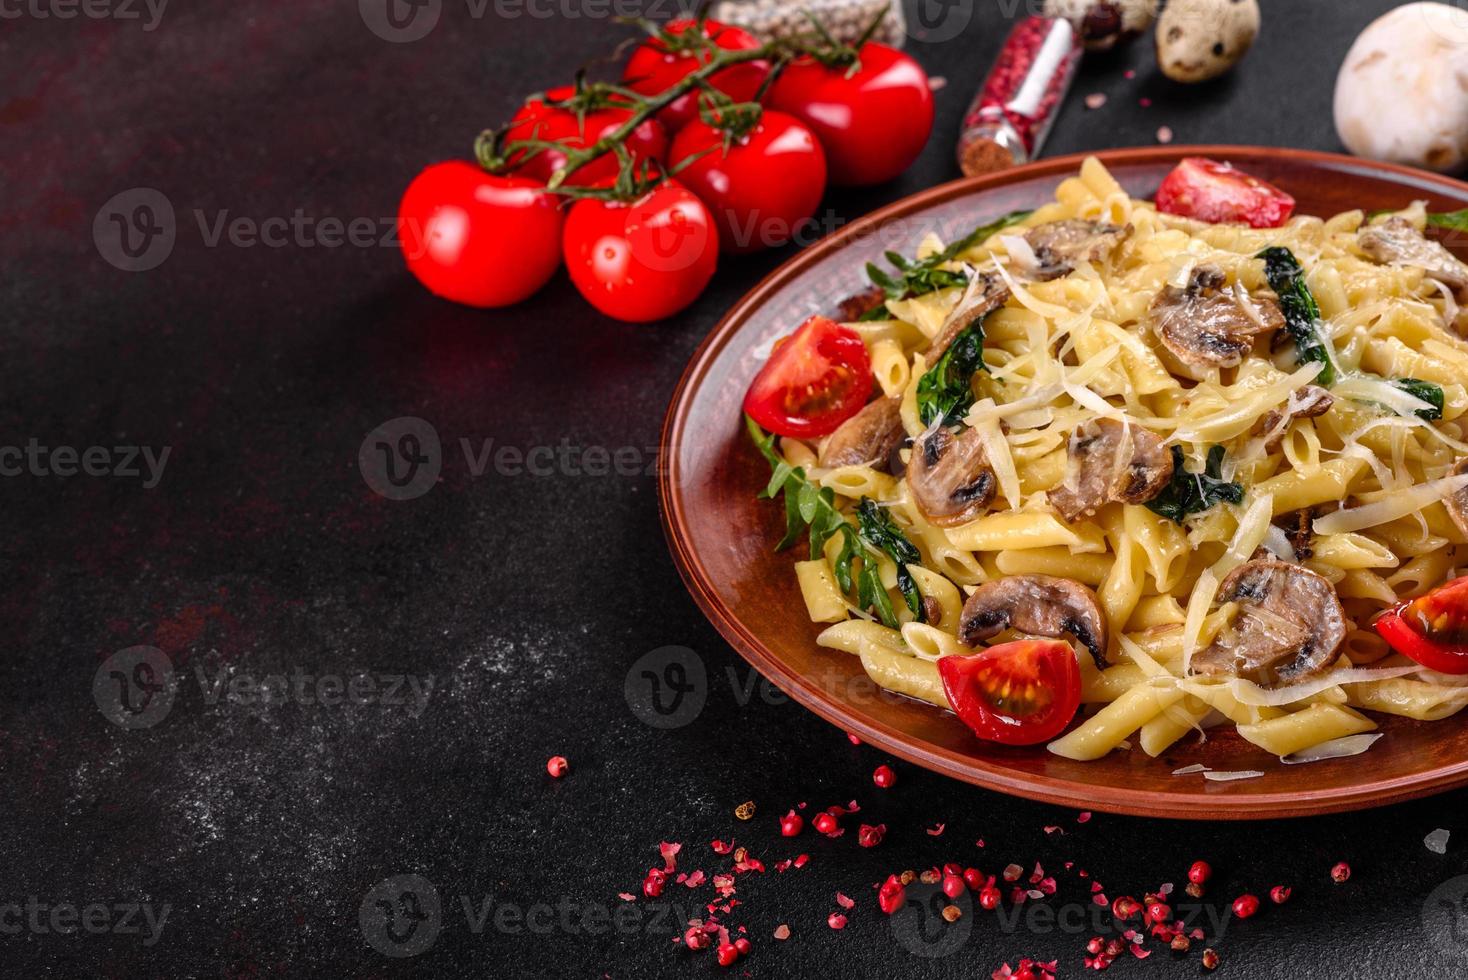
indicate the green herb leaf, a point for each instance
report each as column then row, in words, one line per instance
column 922, row 276
column 879, row 530
column 1301, row 313
column 1452, row 220
column 1423, row 391
column 1193, row 493
column 946, row 390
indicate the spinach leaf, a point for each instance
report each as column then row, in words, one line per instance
column 917, row 277
column 1423, row 391
column 946, row 390
column 880, row 531
column 1193, row 493
column 1301, row 313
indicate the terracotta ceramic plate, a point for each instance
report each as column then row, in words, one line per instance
column 723, row 538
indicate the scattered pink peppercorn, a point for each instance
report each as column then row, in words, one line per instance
column 1210, row 960
column 557, row 766
column 836, row 920
column 853, row 738
column 1245, row 906
column 727, row 954
column 891, row 895
column 884, row 777
column 1279, row 894
column 869, row 836
column 696, row 938
column 974, row 878
column 742, row 945
column 652, row 885
column 1157, row 913
column 1199, row 872
column 953, row 886
column 1340, row 873
column 1125, row 907
column 1096, row 945
column 825, row 823
column 989, row 898
column 791, row 824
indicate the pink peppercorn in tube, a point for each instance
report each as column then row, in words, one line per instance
column 1013, row 113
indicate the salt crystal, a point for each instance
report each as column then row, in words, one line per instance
column 1437, row 841
column 1164, row 134
column 1095, row 100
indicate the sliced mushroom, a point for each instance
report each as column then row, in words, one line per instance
column 1309, row 402
column 1108, row 460
column 1040, row 605
column 1206, row 325
column 1290, row 625
column 855, row 307
column 949, row 476
column 1458, row 502
column 1299, row 527
column 872, row 435
column 1059, row 245
column 1396, row 241
column 984, row 294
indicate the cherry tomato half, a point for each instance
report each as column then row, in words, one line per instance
column 1432, row 629
column 642, row 260
column 1019, row 693
column 815, row 379
column 1218, row 193
column 873, row 122
column 763, row 189
column 537, row 120
column 653, row 68
column 477, row 238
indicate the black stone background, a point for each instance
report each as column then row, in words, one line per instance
column 262, row 551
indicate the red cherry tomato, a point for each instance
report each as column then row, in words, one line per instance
column 763, row 189
column 536, row 120
column 642, row 260
column 872, row 122
column 815, row 379
column 477, row 238
column 1220, row 194
column 653, row 68
column 1019, row 693
column 1432, row 629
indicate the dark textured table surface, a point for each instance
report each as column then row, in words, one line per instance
column 245, row 833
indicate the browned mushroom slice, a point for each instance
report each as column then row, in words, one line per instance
column 1396, row 241
column 855, row 307
column 984, row 294
column 1299, row 527
column 1290, row 625
column 1040, row 605
column 1458, row 502
column 1059, row 245
column 1309, row 402
column 1206, row 325
column 1111, row 461
column 872, row 435
column 949, row 477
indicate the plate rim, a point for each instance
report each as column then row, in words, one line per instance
column 979, row 772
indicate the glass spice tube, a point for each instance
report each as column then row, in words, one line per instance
column 1013, row 113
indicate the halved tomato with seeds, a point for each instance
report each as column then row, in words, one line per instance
column 1218, row 193
column 1432, row 629
column 1018, row 693
column 815, row 379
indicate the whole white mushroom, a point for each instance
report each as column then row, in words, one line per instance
column 1201, row 39
column 1103, row 24
column 1402, row 94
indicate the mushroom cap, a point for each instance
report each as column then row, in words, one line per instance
column 1109, row 460
column 1059, row 245
column 1402, row 92
column 1205, row 325
column 1458, row 502
column 949, row 476
column 1396, row 241
column 1040, row 605
column 1102, row 24
column 872, row 435
column 1290, row 625
column 1202, row 39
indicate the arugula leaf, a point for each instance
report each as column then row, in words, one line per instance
column 879, row 530
column 812, row 508
column 946, row 390
column 1452, row 220
column 917, row 277
column 1301, row 313
column 1423, row 391
column 1193, row 493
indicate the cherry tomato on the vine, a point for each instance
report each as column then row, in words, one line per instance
column 653, row 69
column 815, row 379
column 1018, row 693
column 645, row 259
column 477, row 238
column 537, row 120
column 873, row 122
column 763, row 189
column 1218, row 192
